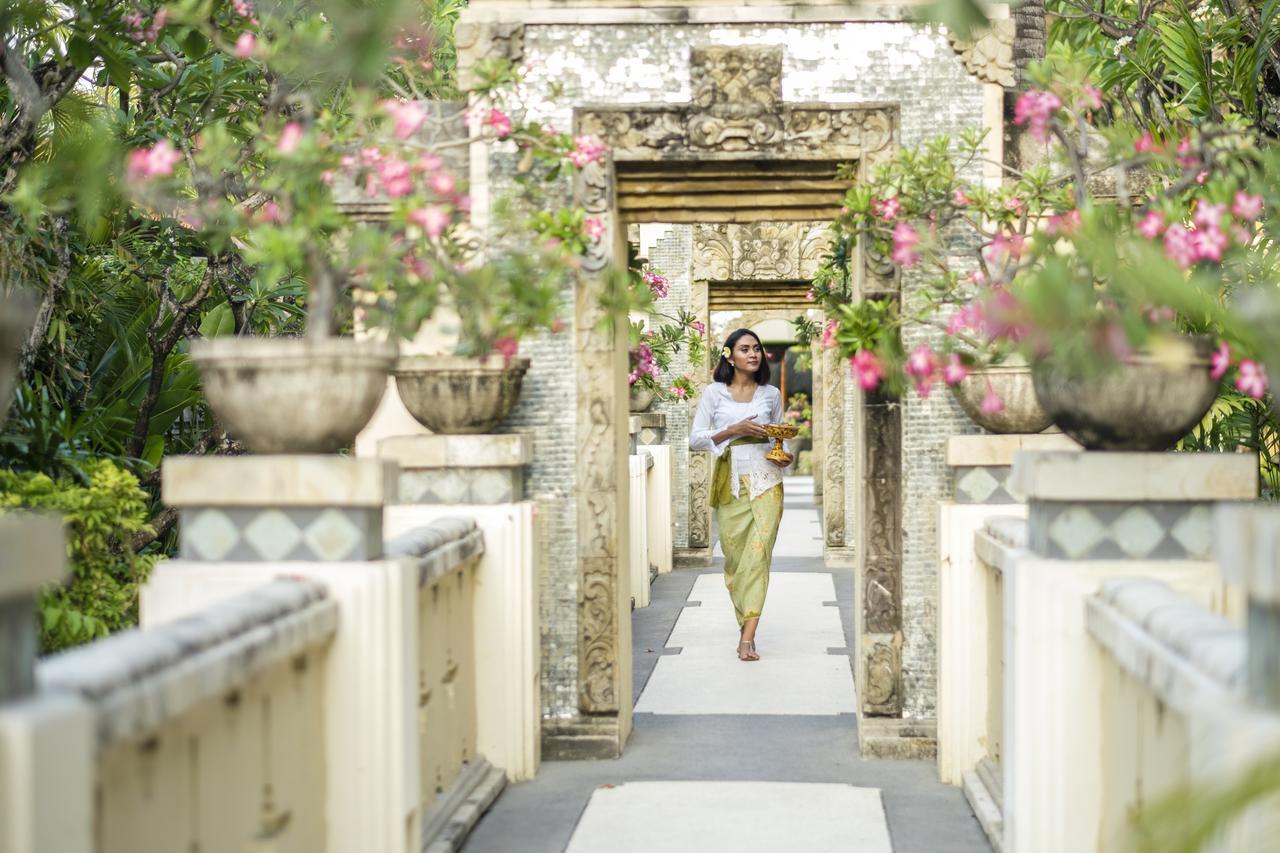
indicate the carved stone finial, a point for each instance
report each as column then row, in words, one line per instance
column 988, row 54
column 737, row 95
column 480, row 41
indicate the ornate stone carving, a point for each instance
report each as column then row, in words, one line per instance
column 880, row 595
column 833, row 462
column 712, row 255
column 699, row 499
column 815, row 243
column 489, row 40
column 736, row 93
column 760, row 251
column 597, row 635
column 988, row 55
column 869, row 131
column 882, row 693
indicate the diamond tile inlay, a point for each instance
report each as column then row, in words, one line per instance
column 210, row 535
column 1076, row 532
column 978, row 484
column 1194, row 532
column 1136, row 532
column 273, row 534
column 333, row 535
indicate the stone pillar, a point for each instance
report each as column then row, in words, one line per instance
column 832, row 461
column 647, row 428
column 1247, row 542
column 250, row 509
column 981, row 469
column 698, row 552
column 1091, row 516
column 32, row 555
column 818, row 407
column 459, row 469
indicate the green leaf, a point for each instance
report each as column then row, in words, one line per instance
column 195, row 44
column 118, row 68
column 218, row 323
column 80, row 51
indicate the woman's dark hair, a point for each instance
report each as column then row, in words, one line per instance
column 724, row 369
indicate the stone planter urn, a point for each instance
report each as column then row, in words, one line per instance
column 1012, row 382
column 452, row 395
column 294, row 395
column 641, row 399
column 1143, row 403
column 16, row 313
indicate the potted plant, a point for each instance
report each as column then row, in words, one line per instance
column 270, row 184
column 1066, row 266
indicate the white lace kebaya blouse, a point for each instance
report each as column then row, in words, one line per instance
column 717, row 410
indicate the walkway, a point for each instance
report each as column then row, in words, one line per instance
column 727, row 756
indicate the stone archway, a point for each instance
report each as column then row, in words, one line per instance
column 858, row 81
column 738, row 121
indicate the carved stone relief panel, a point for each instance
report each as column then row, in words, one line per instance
column 988, row 54
column 833, row 473
column 699, row 499
column 882, row 694
column 759, row 251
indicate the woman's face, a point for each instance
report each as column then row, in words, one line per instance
column 747, row 353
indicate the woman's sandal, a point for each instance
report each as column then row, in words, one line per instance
column 750, row 653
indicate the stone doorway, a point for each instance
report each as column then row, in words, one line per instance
column 857, row 83
column 738, row 157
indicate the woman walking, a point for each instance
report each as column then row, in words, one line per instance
column 746, row 488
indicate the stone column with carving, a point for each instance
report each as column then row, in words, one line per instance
column 833, row 457
column 698, row 552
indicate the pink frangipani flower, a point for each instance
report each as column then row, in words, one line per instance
column 594, row 228
column 1152, row 225
column 1180, row 246
column 433, row 219
column 1063, row 224
column 443, row 183
column 1145, row 144
column 959, row 199
column 1252, row 379
column 289, row 138
column 246, row 45
column 507, row 348
column 922, row 363
column 500, row 122
column 1208, row 215
column 156, row 161
column 905, row 239
column 1035, row 109
column 829, row 334
column 1210, row 243
column 408, row 116
column 1247, row 206
column 866, row 369
column 954, row 372
column 1221, row 361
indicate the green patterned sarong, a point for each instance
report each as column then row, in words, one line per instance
column 748, row 530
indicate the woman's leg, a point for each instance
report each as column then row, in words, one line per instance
column 751, row 583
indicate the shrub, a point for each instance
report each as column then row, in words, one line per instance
column 102, row 515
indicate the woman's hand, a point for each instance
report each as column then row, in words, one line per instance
column 780, row 464
column 748, row 426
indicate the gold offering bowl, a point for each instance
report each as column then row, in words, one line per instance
column 778, row 432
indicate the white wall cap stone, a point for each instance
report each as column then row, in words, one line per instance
column 441, row 547
column 1001, row 542
column 278, row 481
column 1247, row 544
column 414, row 452
column 997, row 451
column 141, row 678
column 705, row 12
column 33, row 552
column 1121, row 477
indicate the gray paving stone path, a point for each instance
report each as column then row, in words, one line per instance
column 923, row 815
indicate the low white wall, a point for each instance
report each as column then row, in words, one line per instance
column 659, row 508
